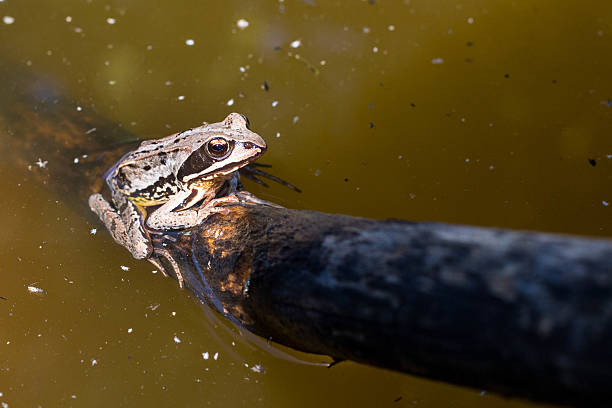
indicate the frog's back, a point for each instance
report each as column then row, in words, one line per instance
column 146, row 178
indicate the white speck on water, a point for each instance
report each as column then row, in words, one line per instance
column 605, row 203
column 216, row 356
column 242, row 24
column 366, row 30
column 78, row 30
column 73, row 396
column 470, row 20
column 181, row 97
column 242, row 69
column 323, row 62
column 94, row 362
column 274, row 104
column 78, row 108
column 173, row 313
column 317, row 172
column 277, row 134
column 491, row 167
column 8, row 19
column 400, row 157
column 168, row 83
column 391, row 27
column 42, row 164
column 177, row 340
column 296, row 43
column 149, row 47
column 205, row 355
column 112, row 82
column 189, row 42
column 437, row 61
column 34, row 289
column 230, row 102
column 130, row 330
column 257, row 368
column 125, row 268
column 68, row 19
column 93, row 231
column 296, row 119
column 111, row 20
column 467, row 160
column 5, row 405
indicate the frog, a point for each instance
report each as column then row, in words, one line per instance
column 175, row 183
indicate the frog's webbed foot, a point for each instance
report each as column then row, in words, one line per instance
column 130, row 237
column 168, row 257
column 238, row 197
column 249, row 198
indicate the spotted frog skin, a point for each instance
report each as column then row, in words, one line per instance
column 187, row 176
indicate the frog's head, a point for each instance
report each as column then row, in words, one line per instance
column 222, row 148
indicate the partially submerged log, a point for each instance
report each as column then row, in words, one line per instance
column 523, row 313
column 517, row 312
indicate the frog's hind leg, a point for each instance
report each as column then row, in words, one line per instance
column 166, row 255
column 129, row 235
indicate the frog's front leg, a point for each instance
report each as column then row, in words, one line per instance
column 125, row 228
column 171, row 215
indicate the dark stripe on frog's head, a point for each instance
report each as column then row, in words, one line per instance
column 197, row 162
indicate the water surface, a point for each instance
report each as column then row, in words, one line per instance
column 475, row 112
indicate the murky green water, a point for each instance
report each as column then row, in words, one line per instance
column 476, row 112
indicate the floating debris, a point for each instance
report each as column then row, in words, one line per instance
column 189, row 42
column 230, row 102
column 111, row 20
column 242, row 24
column 8, row 19
column 437, row 61
column 36, row 290
column 296, row 43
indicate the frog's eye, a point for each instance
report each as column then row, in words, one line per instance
column 217, row 148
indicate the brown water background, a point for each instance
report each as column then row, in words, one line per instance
column 476, row 112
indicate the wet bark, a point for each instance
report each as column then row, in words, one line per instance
column 522, row 313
